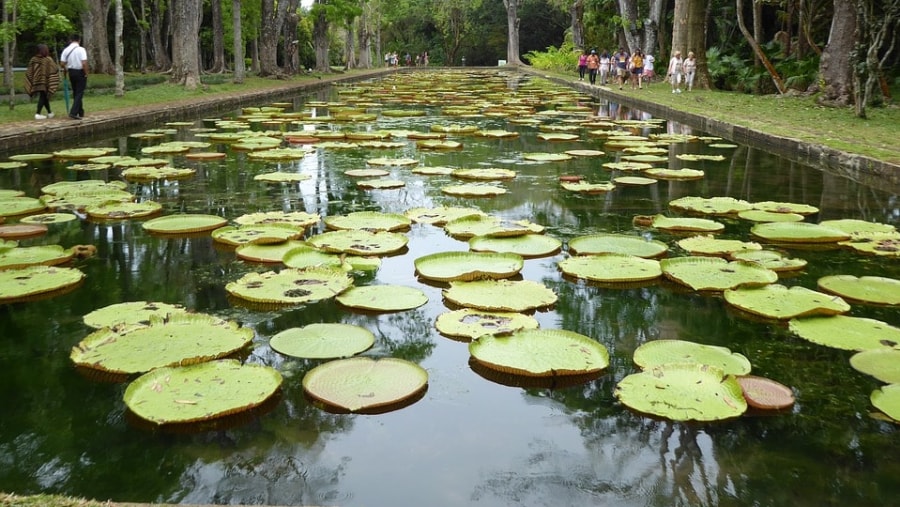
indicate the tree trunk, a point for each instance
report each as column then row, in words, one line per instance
column 9, row 49
column 835, row 67
column 320, row 40
column 96, row 37
column 141, row 23
column 365, row 39
column 779, row 84
column 185, row 38
column 629, row 13
column 271, row 20
column 120, row 51
column 577, row 12
column 512, row 27
column 757, row 29
column 238, row 45
column 291, row 38
column 652, row 26
column 218, row 56
column 698, row 14
column 159, row 48
column 876, row 24
column 680, row 27
column 349, row 45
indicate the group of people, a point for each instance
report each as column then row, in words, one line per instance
column 42, row 77
column 392, row 59
column 635, row 68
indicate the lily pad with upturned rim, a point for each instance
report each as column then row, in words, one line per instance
column 883, row 364
column 45, row 255
column 323, row 341
column 771, row 259
column 887, row 400
column 123, row 210
column 678, row 224
column 130, row 313
column 469, row 323
column 450, row 266
column 500, row 295
column 584, row 187
column 709, row 245
column 611, row 268
column 715, row 273
column 779, row 302
column 658, row 352
column 485, row 174
column 540, row 353
column 785, row 207
column 368, row 220
column 764, row 393
column 200, row 392
column 639, row 246
column 295, row 218
column 798, row 232
column 866, row 289
column 184, row 223
column 22, row 284
column 469, row 226
column 526, row 245
column 13, row 206
column 359, row 242
column 715, row 206
column 547, row 157
column 281, row 177
column 440, row 215
column 383, row 298
column 683, row 174
column 290, row 286
column 49, row 218
column 757, row 215
column 473, row 190
column 365, row 385
column 380, row 184
column 269, row 252
column 22, row 231
column 846, row 332
column 256, row 233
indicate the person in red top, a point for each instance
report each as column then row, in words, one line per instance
column 582, row 64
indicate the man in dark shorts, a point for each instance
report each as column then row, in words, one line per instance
column 621, row 61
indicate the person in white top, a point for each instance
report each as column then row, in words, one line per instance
column 690, row 68
column 674, row 72
column 74, row 60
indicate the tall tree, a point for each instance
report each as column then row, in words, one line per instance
column 158, row 43
column 238, row 45
column 629, row 15
column 270, row 28
column 364, row 32
column 877, row 22
column 120, row 50
column 835, row 66
column 95, row 36
column 512, row 29
column 218, row 39
column 454, row 21
column 186, row 16
column 757, row 50
column 320, row 35
column 142, row 25
column 689, row 34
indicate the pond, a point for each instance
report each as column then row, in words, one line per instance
column 469, row 440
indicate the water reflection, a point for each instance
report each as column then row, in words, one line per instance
column 469, row 440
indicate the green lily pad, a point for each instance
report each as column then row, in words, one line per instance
column 256, row 233
column 297, row 254
column 367, row 173
column 85, row 200
column 32, row 157
column 49, row 218
column 557, row 136
column 847, row 333
column 634, row 181
column 678, row 224
column 469, row 226
column 540, row 353
column 448, row 266
column 438, row 144
column 130, row 313
column 585, row 153
column 281, row 177
column 785, row 207
column 627, row 166
column 12, row 206
column 372, row 221
column 184, row 223
column 798, row 232
column 295, row 218
column 82, row 153
column 433, row 171
column 683, row 174
column 365, row 385
column 359, row 242
column 440, row 215
column 470, row 324
column 883, row 364
column 878, row 244
column 709, row 245
column 498, row 134
column 486, row 174
column 473, row 190
column 547, row 157
column 122, row 210
column 177, row 339
column 866, row 289
column 500, row 295
column 756, row 215
column 383, row 298
column 380, row 184
column 617, row 243
column 855, row 227
column 527, row 245
column 8, row 193
column 139, row 162
column 22, row 284
column 611, row 268
column 683, row 392
column 276, row 154
column 157, row 173
column 659, row 352
column 771, row 259
column 716, row 206
column 780, row 302
column 714, row 273
column 290, row 286
column 12, row 165
column 200, row 392
column 45, row 255
column 693, row 157
column 583, row 187
column 887, row 400
column 323, row 341
column 646, row 158
column 398, row 162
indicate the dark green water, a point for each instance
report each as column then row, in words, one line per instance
column 469, row 441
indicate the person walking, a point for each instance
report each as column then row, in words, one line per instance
column 604, row 67
column 582, row 64
column 690, row 68
column 74, row 60
column 593, row 65
column 637, row 69
column 621, row 61
column 42, row 79
column 649, row 69
column 674, row 71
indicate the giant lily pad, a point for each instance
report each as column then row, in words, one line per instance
column 282, row 177
column 49, row 218
column 46, row 255
column 82, row 153
column 256, row 233
column 547, row 157
column 771, row 259
column 323, row 341
column 200, row 392
column 369, row 220
column 500, row 295
column 157, row 173
column 611, row 268
column 447, row 266
column 683, row 174
column 847, row 333
column 785, row 207
column 879, row 244
column 683, row 392
column 365, row 385
column 887, row 400
column 617, row 243
column 359, row 242
column 470, row 324
column 710, row 205
column 798, row 232
column 383, row 298
column 714, row 273
column 399, row 162
column 659, row 352
column 290, row 286
column 380, row 184
column 115, row 210
column 540, row 353
column 22, row 231
column 295, row 218
column 867, row 289
column 22, row 284
column 488, row 174
column 176, row 340
column 764, row 393
column 527, row 245
column 584, row 187
column 12, row 206
column 855, row 227
column 678, row 224
column 440, row 215
column 470, row 226
column 709, row 245
column 756, row 215
column 184, row 223
column 473, row 190
column 883, row 364
column 130, row 313
column 780, row 302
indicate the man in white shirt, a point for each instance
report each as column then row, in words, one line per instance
column 74, row 59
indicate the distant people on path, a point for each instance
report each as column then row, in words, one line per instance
column 408, row 60
column 649, row 69
column 74, row 60
column 593, row 65
column 604, row 67
column 621, row 61
column 42, row 79
column 674, row 72
column 582, row 64
column 425, row 58
column 690, row 68
column 637, row 69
